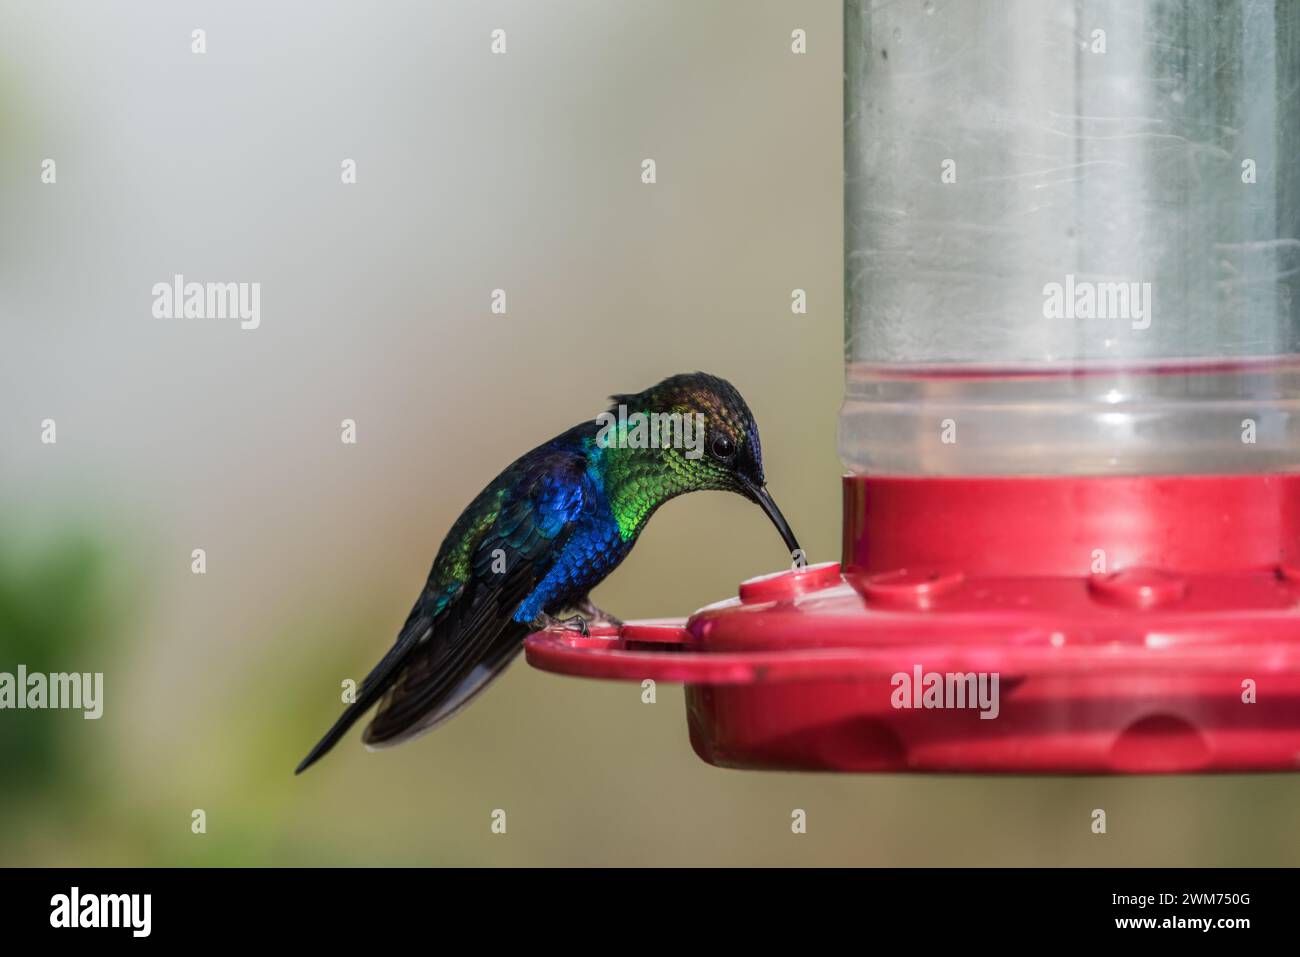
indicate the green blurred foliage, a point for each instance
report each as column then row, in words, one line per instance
column 53, row 611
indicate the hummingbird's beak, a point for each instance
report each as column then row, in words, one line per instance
column 760, row 494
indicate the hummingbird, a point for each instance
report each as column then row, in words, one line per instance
column 542, row 534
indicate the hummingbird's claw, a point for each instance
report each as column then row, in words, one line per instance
column 597, row 616
column 587, row 616
column 575, row 623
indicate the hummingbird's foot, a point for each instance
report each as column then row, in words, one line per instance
column 576, row 623
column 597, row 616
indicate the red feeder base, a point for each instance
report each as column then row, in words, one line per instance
column 1097, row 625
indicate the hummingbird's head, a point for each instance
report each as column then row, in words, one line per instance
column 706, row 439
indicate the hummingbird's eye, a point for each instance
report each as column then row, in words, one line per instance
column 722, row 447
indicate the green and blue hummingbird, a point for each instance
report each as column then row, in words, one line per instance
column 545, row 532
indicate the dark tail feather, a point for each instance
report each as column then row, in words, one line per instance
column 332, row 736
column 395, row 722
column 373, row 687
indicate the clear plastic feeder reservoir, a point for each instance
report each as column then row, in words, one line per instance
column 1071, row 241
column 1071, row 535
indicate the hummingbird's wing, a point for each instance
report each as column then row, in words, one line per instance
column 476, row 636
column 461, row 632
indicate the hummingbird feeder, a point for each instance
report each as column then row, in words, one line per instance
column 1071, row 537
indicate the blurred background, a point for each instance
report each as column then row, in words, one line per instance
column 474, row 172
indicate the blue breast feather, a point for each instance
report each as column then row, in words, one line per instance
column 590, row 550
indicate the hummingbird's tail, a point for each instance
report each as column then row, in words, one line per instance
column 397, row 721
column 332, row 736
column 381, row 677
